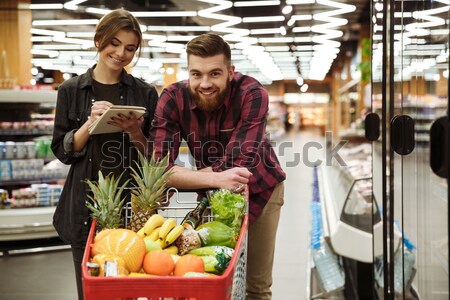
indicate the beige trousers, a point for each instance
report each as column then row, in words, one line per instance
column 261, row 247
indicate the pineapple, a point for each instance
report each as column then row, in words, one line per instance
column 106, row 206
column 149, row 189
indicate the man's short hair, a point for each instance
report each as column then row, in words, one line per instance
column 207, row 45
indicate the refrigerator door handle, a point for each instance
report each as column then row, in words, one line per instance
column 372, row 127
column 439, row 146
column 402, row 134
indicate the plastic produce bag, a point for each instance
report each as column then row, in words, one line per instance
column 216, row 233
column 215, row 258
column 228, row 208
column 187, row 241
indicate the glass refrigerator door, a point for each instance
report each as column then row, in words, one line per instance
column 410, row 66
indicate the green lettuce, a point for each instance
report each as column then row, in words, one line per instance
column 228, row 208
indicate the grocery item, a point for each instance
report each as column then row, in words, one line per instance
column 123, row 243
column 150, row 185
column 173, row 249
column 195, row 216
column 93, row 269
column 216, row 233
column 215, row 258
column 151, row 245
column 158, row 262
column 106, row 203
column 152, row 223
column 187, row 241
column 173, row 235
column 101, row 259
column 166, row 227
column 228, row 208
column 188, row 263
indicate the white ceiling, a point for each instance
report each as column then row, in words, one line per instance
column 266, row 43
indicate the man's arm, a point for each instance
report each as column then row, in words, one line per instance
column 232, row 179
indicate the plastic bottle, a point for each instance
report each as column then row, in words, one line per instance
column 399, row 269
column 194, row 217
column 328, row 269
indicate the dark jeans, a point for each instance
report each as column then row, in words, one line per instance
column 77, row 254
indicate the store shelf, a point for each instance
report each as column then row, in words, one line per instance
column 23, row 96
column 26, row 223
column 25, row 117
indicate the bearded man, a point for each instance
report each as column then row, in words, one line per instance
column 222, row 116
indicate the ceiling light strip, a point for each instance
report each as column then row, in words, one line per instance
column 44, row 6
column 164, row 14
column 178, row 28
column 259, row 58
column 95, row 10
column 266, row 31
column 73, row 5
column 257, row 3
column 263, row 19
column 82, row 34
column 47, row 32
column 324, row 53
column 295, row 2
column 64, row 22
column 301, row 29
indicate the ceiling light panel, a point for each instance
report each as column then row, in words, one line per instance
column 265, row 42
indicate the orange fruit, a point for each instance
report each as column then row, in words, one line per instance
column 189, row 263
column 158, row 262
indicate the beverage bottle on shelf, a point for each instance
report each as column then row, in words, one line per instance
column 409, row 257
column 194, row 217
column 328, row 269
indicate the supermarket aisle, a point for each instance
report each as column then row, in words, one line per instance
column 50, row 276
column 293, row 231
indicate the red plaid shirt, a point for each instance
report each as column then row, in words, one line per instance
column 232, row 136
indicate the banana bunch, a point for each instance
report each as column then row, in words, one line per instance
column 163, row 231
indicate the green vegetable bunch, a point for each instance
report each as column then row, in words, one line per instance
column 228, row 208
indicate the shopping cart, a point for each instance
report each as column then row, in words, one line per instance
column 229, row 285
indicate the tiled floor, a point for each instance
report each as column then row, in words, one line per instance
column 50, row 275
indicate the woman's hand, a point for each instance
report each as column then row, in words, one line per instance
column 129, row 123
column 97, row 109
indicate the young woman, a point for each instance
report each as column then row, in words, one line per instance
column 81, row 100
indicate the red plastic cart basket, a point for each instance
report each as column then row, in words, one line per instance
column 230, row 285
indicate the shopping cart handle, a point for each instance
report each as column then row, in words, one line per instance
column 194, row 190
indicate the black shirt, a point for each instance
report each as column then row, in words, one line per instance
column 107, row 154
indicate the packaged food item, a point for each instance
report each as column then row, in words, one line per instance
column 93, row 268
column 188, row 240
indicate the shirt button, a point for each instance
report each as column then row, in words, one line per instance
column 121, row 97
column 90, row 159
column 125, row 157
column 92, row 100
column 85, row 222
column 78, row 119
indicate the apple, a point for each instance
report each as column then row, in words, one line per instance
column 151, row 245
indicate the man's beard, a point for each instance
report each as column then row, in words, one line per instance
column 209, row 105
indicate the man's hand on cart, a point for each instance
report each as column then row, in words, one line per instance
column 234, row 179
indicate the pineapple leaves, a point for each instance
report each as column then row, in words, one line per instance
column 150, row 182
column 107, row 202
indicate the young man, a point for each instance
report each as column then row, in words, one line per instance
column 222, row 116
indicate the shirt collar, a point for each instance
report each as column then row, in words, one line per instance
column 125, row 78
